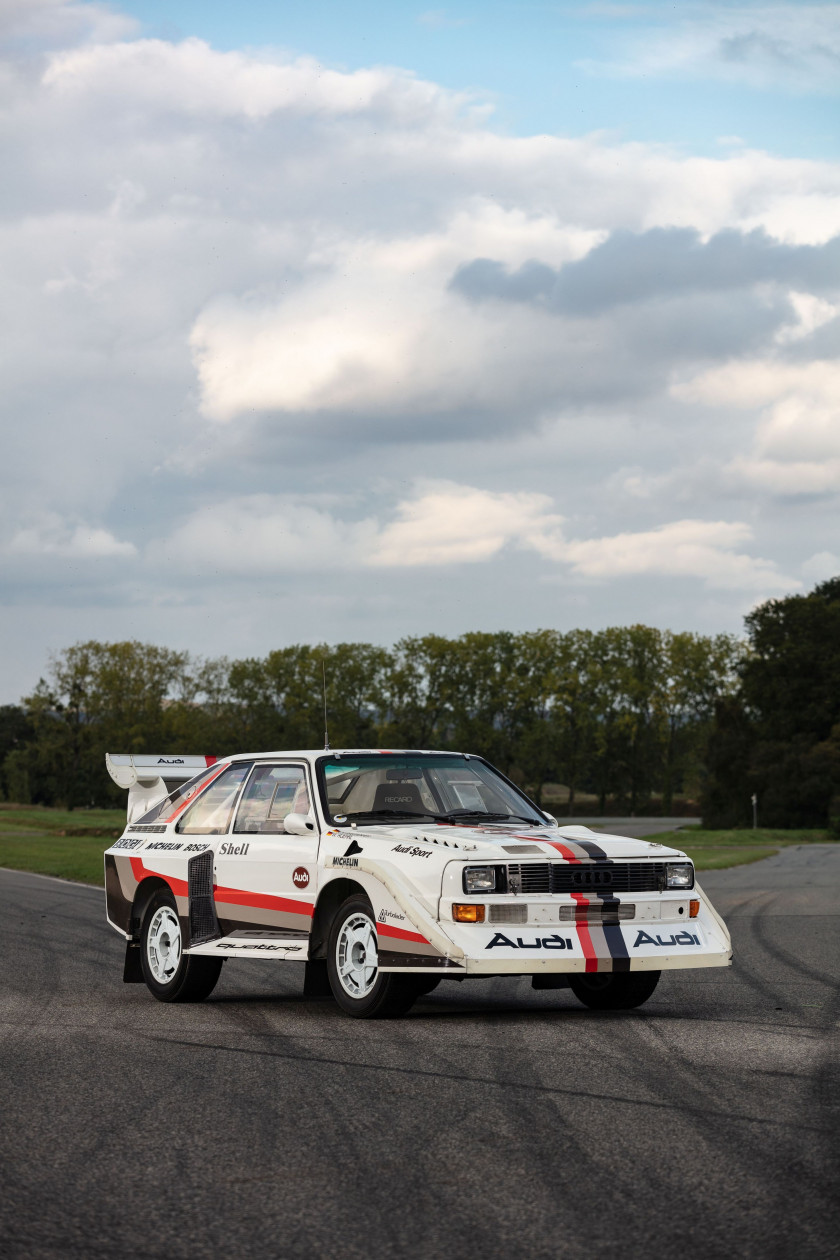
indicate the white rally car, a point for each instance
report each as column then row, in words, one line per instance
column 387, row 872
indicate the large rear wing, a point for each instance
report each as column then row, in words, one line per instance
column 149, row 778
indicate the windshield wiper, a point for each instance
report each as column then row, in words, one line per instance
column 388, row 813
column 485, row 817
column 477, row 815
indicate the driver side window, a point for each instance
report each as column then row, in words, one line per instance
column 271, row 794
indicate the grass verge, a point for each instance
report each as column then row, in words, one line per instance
column 715, row 850
column 20, row 819
column 67, row 857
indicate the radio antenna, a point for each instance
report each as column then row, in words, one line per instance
column 326, row 730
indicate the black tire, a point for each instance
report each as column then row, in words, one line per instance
column 192, row 978
column 388, row 995
column 614, row 990
column 425, row 984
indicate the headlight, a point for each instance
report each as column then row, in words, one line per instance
column 679, row 875
column 479, row 879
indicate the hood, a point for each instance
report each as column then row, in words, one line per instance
column 506, row 843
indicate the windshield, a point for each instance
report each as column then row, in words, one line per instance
column 387, row 787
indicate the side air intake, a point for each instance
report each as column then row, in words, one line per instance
column 204, row 926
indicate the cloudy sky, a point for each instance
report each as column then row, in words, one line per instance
column 337, row 321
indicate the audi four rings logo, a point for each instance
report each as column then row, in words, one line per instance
column 300, row 877
column 592, row 877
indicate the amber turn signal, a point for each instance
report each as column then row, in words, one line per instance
column 467, row 912
column 693, row 908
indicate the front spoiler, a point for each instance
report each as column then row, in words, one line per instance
column 644, row 943
column 570, row 966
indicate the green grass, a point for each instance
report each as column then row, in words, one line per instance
column 68, row 843
column 68, row 857
column 72, row 822
column 714, row 850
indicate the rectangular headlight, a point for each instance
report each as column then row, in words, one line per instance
column 679, row 875
column 479, row 879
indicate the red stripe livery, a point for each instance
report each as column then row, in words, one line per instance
column 227, row 896
column 261, row 901
column 387, row 929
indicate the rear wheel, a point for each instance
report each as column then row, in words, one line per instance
column 357, row 984
column 614, row 990
column 170, row 974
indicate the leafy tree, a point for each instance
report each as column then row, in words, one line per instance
column 790, row 694
column 698, row 670
column 96, row 696
column 15, row 730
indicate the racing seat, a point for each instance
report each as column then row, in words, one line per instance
column 404, row 797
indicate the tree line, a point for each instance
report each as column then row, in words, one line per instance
column 584, row 720
column 624, row 719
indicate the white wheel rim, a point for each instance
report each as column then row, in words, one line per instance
column 163, row 944
column 356, row 955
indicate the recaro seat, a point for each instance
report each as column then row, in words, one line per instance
column 404, row 797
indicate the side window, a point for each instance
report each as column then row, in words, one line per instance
column 210, row 814
column 271, row 794
column 182, row 791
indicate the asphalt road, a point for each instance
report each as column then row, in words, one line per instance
column 493, row 1121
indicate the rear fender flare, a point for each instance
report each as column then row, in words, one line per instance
column 146, row 890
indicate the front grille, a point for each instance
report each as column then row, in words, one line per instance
column 589, row 877
column 608, row 877
column 529, row 877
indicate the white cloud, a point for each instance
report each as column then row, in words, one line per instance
column 821, row 566
column 797, row 440
column 444, row 524
column 375, row 329
column 788, row 46
column 193, row 78
column 54, row 21
column 227, row 281
column 812, row 312
column 787, row 477
column 452, row 524
column 264, row 534
column 698, row 549
column 53, row 536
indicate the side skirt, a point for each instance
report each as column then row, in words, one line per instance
column 262, row 947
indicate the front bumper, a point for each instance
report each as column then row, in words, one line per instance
column 660, row 936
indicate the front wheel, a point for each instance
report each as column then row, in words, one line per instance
column 171, row 975
column 614, row 990
column 357, row 984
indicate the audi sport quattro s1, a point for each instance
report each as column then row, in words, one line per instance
column 387, row 872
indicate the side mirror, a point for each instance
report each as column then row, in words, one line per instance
column 299, row 824
column 550, row 818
